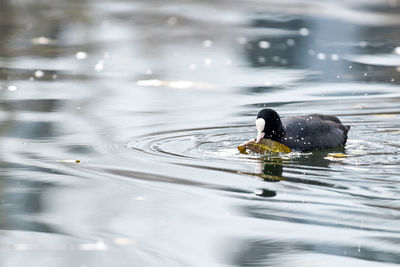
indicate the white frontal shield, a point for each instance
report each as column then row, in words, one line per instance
column 260, row 125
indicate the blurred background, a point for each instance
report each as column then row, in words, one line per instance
column 120, row 120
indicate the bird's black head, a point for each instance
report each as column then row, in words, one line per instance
column 269, row 125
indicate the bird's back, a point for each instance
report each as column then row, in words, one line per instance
column 314, row 131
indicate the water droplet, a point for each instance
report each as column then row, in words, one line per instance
column 321, row 56
column 258, row 192
column 290, row 42
column 39, row 74
column 207, row 43
column 99, row 65
column 208, row 61
column 335, row 57
column 12, row 88
column 350, row 66
column 365, row 74
column 304, row 31
column 81, row 55
column 264, row 44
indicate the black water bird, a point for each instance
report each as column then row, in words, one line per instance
column 304, row 132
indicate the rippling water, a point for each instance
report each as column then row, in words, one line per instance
column 119, row 122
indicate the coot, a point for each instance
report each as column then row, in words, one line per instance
column 305, row 132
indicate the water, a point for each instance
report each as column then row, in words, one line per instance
column 119, row 123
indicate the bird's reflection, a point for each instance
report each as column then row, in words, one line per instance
column 275, row 169
column 265, row 192
column 271, row 170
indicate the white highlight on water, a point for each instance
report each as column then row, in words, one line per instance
column 42, row 41
column 81, row 55
column 304, row 31
column 207, row 43
column 264, row 44
column 208, row 61
column 321, row 56
column 39, row 74
column 12, row 88
column 335, row 57
column 99, row 245
column 99, row 65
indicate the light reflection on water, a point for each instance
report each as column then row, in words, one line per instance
column 119, row 123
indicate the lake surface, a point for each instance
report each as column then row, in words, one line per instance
column 120, row 120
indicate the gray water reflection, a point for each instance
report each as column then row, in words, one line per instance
column 119, row 123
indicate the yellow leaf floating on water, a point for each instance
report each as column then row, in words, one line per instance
column 265, row 146
column 242, row 149
column 336, row 156
column 69, row 160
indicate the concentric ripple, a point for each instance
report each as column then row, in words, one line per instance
column 215, row 148
column 216, row 143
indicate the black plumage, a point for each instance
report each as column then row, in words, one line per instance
column 305, row 132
